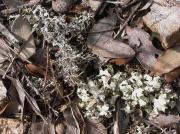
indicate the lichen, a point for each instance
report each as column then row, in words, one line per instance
column 136, row 89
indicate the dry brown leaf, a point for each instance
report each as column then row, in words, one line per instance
column 141, row 42
column 103, row 45
column 168, row 61
column 10, row 126
column 22, row 29
column 164, row 19
column 165, row 121
column 95, row 127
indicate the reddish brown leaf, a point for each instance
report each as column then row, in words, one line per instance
column 103, row 45
column 141, row 42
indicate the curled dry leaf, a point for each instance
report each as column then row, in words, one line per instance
column 164, row 19
column 165, row 121
column 22, row 29
column 168, row 61
column 141, row 42
column 103, row 45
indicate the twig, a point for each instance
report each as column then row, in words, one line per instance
column 127, row 20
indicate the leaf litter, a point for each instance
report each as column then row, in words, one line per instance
column 89, row 66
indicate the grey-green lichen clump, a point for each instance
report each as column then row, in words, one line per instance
column 97, row 96
column 58, row 32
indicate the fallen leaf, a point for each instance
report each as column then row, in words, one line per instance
column 103, row 45
column 142, row 44
column 95, row 127
column 165, row 121
column 22, row 29
column 168, row 61
column 164, row 19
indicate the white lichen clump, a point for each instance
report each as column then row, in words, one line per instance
column 97, row 96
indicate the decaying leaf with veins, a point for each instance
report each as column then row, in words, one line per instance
column 168, row 61
column 22, row 29
column 141, row 42
column 103, row 45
